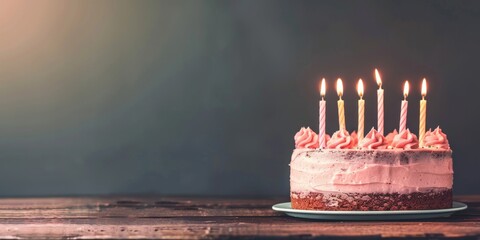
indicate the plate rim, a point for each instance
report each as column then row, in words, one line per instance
column 460, row 207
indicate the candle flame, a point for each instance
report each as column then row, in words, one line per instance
column 322, row 88
column 405, row 89
column 339, row 88
column 378, row 78
column 424, row 88
column 360, row 88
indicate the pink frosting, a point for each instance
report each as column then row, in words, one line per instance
column 306, row 138
column 405, row 140
column 354, row 136
column 390, row 136
column 327, row 138
column 373, row 140
column 342, row 140
column 332, row 171
column 436, row 139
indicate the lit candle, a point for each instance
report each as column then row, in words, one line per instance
column 321, row 126
column 380, row 112
column 423, row 113
column 341, row 109
column 361, row 111
column 403, row 114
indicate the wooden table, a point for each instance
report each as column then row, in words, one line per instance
column 184, row 217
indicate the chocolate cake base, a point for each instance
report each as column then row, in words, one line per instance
column 372, row 201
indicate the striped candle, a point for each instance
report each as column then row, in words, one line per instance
column 321, row 125
column 361, row 111
column 380, row 111
column 404, row 109
column 341, row 107
column 423, row 113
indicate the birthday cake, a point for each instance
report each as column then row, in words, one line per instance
column 373, row 173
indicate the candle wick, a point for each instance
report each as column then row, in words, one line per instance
column 323, row 98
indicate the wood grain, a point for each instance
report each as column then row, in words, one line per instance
column 194, row 218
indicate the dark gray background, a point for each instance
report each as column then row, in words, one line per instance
column 204, row 97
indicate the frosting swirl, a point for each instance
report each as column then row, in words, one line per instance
column 373, row 140
column 405, row 140
column 342, row 140
column 390, row 136
column 306, row 138
column 354, row 137
column 436, row 139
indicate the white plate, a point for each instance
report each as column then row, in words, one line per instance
column 369, row 215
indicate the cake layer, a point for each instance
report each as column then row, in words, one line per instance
column 370, row 171
column 372, row 201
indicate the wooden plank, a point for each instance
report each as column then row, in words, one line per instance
column 186, row 217
column 235, row 227
column 133, row 207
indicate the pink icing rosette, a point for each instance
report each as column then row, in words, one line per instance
column 373, row 140
column 405, row 140
column 327, row 138
column 342, row 140
column 436, row 139
column 354, row 137
column 306, row 138
column 390, row 136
